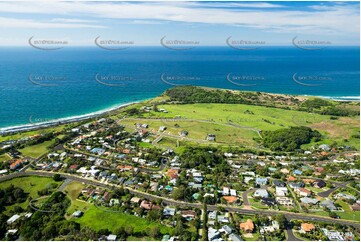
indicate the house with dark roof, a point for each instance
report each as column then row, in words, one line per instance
column 319, row 184
column 279, row 183
column 269, row 201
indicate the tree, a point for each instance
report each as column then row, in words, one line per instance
column 179, row 229
column 129, row 230
column 154, row 232
column 281, row 219
column 57, row 177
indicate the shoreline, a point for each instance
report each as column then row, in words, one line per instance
column 77, row 118
column 60, row 121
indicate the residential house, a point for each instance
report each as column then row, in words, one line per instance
column 297, row 172
column 227, row 229
column 281, row 191
column 135, row 200
column 303, row 192
column 309, row 201
column 328, row 204
column 148, row 205
column 247, row 227
column 285, row 201
column 230, row 199
column 269, row 201
column 167, row 211
column 306, row 228
column 213, row 234
column 319, row 184
column 355, row 207
column 234, row 237
column 261, row 181
column 261, row 193
column 295, row 185
column 189, row 214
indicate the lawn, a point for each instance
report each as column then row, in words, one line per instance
column 31, row 185
column 4, row 157
column 99, row 219
column 37, row 150
column 189, row 117
column 199, row 130
column 257, row 205
column 73, row 190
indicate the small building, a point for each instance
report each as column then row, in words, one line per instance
column 328, row 204
column 211, row 137
column 303, row 192
column 167, row 211
column 261, row 181
column 269, row 201
column 162, row 128
column 306, row 228
column 188, row 214
column 112, row 237
column 247, row 227
column 309, row 201
column 319, row 184
column 279, row 183
column 285, row 201
column 235, row 237
column 261, row 193
column 77, row 214
column 13, row 219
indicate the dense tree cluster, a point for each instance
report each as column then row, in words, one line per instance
column 11, row 195
column 289, row 139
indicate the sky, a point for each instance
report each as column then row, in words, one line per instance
column 209, row 23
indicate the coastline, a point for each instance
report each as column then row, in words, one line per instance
column 77, row 118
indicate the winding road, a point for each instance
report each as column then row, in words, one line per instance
column 289, row 215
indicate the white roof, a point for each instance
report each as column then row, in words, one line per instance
column 13, row 218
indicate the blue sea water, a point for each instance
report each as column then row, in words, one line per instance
column 40, row 86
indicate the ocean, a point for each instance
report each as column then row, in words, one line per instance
column 42, row 86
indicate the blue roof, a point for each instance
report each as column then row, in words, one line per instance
column 297, row 172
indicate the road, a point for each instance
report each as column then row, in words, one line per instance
column 289, row 215
column 290, row 235
column 245, row 197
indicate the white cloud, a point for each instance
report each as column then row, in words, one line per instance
column 324, row 19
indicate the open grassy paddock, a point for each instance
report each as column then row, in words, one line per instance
column 236, row 123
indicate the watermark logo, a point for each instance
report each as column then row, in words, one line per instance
column 310, row 44
column 34, row 120
column 47, row 44
column 113, row 80
column 46, row 80
column 177, row 80
column 238, row 79
column 244, row 44
column 177, row 44
column 113, row 44
column 305, row 80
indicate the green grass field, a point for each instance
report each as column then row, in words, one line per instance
column 38, row 150
column 201, row 119
column 99, row 219
column 73, row 190
column 4, row 157
column 31, row 185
